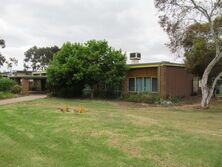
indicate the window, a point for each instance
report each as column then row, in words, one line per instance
column 147, row 85
column 154, row 85
column 139, row 84
column 143, row 84
column 132, row 84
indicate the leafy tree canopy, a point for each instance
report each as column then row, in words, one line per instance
column 200, row 49
column 38, row 58
column 93, row 63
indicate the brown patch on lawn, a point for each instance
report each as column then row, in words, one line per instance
column 151, row 138
column 115, row 140
column 190, row 106
column 141, row 120
column 40, row 160
column 125, row 147
column 164, row 162
column 106, row 133
column 37, row 158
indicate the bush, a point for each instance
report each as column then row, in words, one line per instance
column 5, row 95
column 86, row 92
column 6, row 84
column 170, row 100
column 176, row 99
column 150, row 98
column 74, row 91
column 102, row 92
column 16, row 89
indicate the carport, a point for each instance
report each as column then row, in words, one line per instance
column 31, row 84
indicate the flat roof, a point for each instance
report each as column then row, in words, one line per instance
column 156, row 64
column 39, row 72
column 28, row 77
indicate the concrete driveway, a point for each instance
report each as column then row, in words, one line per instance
column 22, row 99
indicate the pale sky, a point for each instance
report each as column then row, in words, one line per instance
column 131, row 25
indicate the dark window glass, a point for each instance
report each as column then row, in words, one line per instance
column 132, row 84
column 139, row 84
column 154, row 85
column 147, row 85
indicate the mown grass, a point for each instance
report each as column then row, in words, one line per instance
column 110, row 134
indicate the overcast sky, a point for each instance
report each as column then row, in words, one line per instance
column 131, row 25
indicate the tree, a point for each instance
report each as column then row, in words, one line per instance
column 175, row 18
column 105, row 66
column 2, row 58
column 93, row 63
column 38, row 58
column 199, row 51
column 11, row 62
column 64, row 71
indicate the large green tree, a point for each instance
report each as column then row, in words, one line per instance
column 38, row 58
column 176, row 16
column 2, row 58
column 93, row 63
column 200, row 51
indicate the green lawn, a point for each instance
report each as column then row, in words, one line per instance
column 110, row 134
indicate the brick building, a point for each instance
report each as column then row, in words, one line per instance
column 164, row 78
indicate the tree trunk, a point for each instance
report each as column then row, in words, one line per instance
column 207, row 92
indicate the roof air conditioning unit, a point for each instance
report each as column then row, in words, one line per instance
column 135, row 58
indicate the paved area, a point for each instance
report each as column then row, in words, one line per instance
column 22, row 99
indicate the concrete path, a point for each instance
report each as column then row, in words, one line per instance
column 22, row 99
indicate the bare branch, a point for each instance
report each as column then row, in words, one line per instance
column 202, row 10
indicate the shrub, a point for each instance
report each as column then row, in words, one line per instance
column 6, row 84
column 16, row 89
column 5, row 95
column 152, row 98
column 102, row 92
column 176, row 99
column 149, row 98
column 170, row 100
column 74, row 91
column 86, row 92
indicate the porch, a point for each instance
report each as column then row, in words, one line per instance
column 31, row 84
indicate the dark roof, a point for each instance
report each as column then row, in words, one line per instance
column 28, row 77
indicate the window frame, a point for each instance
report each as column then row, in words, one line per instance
column 134, row 84
column 143, row 78
column 156, row 85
